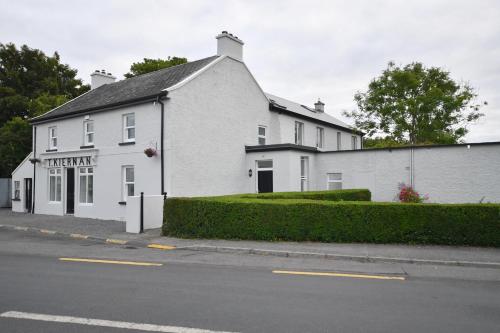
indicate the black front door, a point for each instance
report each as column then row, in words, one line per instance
column 265, row 181
column 70, row 191
column 28, row 199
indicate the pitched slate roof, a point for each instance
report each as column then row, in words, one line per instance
column 134, row 89
column 305, row 111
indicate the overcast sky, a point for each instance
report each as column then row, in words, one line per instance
column 300, row 50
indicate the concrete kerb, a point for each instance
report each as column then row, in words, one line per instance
column 261, row 252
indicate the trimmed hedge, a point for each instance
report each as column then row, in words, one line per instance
column 337, row 195
column 233, row 217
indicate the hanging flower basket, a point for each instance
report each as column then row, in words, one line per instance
column 150, row 152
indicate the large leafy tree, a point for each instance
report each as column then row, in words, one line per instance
column 151, row 65
column 31, row 83
column 415, row 105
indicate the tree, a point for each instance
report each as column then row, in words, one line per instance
column 151, row 65
column 416, row 105
column 31, row 83
column 15, row 139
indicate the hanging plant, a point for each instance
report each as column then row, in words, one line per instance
column 150, row 152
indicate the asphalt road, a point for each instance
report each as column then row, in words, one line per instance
column 232, row 292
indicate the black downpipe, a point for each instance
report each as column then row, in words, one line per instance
column 162, row 158
column 34, row 173
column 141, row 228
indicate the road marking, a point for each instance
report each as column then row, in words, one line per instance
column 117, row 262
column 79, row 236
column 116, row 241
column 358, row 276
column 45, row 231
column 104, row 323
column 21, row 228
column 161, row 247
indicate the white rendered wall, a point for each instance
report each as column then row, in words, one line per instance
column 24, row 170
column 447, row 174
column 152, row 213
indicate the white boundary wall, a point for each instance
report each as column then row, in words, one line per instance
column 153, row 213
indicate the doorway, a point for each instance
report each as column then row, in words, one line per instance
column 28, row 195
column 265, row 176
column 70, row 190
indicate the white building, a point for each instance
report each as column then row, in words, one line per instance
column 212, row 130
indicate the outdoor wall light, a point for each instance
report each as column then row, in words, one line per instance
column 250, row 172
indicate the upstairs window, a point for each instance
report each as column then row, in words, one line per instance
column 128, row 182
column 129, row 127
column 262, row 135
column 299, row 133
column 86, row 185
column 55, row 185
column 354, row 142
column 17, row 193
column 320, row 137
column 334, row 181
column 53, row 137
column 88, row 132
column 339, row 141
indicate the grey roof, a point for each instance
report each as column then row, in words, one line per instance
column 128, row 90
column 306, row 111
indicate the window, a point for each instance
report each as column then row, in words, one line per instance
column 320, row 137
column 88, row 132
column 53, row 137
column 128, row 182
column 129, row 127
column 17, row 185
column 265, row 164
column 354, row 142
column 304, row 173
column 339, row 141
column 334, row 181
column 86, row 185
column 299, row 133
column 262, row 135
column 55, row 185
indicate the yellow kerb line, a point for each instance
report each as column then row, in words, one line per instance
column 45, row 231
column 116, row 241
column 116, row 262
column 79, row 236
column 161, row 247
column 359, row 276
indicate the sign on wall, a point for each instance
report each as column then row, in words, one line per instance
column 74, row 161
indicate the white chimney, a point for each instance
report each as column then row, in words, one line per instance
column 319, row 106
column 229, row 45
column 99, row 78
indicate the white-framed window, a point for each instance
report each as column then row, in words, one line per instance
column 304, row 173
column 339, row 141
column 334, row 181
column 129, row 127
column 128, row 182
column 88, row 132
column 86, row 185
column 17, row 189
column 299, row 133
column 320, row 137
column 53, row 137
column 262, row 133
column 55, row 185
column 354, row 142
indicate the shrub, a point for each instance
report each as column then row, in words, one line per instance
column 408, row 194
column 234, row 217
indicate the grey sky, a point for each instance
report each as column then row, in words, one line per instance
column 300, row 50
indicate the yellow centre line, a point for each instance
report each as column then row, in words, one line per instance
column 116, row 262
column 358, row 276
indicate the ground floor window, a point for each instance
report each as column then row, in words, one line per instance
column 55, row 185
column 17, row 185
column 86, row 185
column 334, row 181
column 128, row 182
column 304, row 173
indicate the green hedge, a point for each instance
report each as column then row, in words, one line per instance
column 233, row 217
column 337, row 195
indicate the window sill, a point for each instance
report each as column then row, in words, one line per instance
column 87, row 147
column 51, row 150
column 16, row 199
column 128, row 143
column 122, row 202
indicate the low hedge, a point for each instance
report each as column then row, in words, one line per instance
column 336, row 195
column 234, row 217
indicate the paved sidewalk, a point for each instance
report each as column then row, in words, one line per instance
column 114, row 232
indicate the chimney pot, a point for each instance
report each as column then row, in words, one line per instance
column 99, row 78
